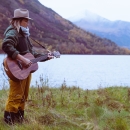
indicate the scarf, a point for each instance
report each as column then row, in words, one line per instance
column 25, row 31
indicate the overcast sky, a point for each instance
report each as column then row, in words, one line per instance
column 110, row 9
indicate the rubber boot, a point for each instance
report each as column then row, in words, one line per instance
column 9, row 117
column 19, row 116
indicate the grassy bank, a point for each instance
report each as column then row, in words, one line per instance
column 71, row 108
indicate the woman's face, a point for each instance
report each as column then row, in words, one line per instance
column 24, row 23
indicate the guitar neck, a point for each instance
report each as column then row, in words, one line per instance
column 44, row 57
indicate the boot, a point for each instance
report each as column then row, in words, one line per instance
column 19, row 116
column 9, row 117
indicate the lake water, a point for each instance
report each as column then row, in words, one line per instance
column 85, row 71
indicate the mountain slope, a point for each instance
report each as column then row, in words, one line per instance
column 55, row 32
column 117, row 31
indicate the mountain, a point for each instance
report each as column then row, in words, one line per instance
column 117, row 31
column 55, row 32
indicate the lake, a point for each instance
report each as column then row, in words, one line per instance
column 85, row 71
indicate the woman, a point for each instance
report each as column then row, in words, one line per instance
column 16, row 43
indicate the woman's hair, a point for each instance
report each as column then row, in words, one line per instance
column 16, row 23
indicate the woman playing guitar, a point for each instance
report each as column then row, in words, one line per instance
column 16, row 44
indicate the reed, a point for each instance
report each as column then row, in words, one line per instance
column 72, row 108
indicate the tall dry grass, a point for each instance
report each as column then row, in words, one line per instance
column 71, row 108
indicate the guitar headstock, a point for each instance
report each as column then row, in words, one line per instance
column 56, row 54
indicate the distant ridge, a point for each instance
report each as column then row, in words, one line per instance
column 55, row 32
column 117, row 31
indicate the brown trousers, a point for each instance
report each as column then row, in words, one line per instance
column 18, row 95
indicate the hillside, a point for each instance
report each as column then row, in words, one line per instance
column 55, row 32
column 117, row 31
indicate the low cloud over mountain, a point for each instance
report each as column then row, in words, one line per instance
column 55, row 32
column 117, row 31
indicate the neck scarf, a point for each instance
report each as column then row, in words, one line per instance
column 25, row 31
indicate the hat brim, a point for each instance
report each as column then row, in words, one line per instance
column 22, row 17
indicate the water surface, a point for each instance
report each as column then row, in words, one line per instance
column 85, row 71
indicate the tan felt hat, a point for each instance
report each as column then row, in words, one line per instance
column 21, row 13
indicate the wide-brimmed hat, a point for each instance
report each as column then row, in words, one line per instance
column 21, row 13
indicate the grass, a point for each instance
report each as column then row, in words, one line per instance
column 71, row 108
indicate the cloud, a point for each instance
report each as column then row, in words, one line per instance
column 110, row 9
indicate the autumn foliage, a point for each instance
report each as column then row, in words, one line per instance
column 55, row 32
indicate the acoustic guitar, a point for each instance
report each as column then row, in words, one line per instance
column 16, row 71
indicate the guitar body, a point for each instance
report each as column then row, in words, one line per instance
column 14, row 72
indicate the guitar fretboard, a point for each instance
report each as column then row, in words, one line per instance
column 44, row 57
